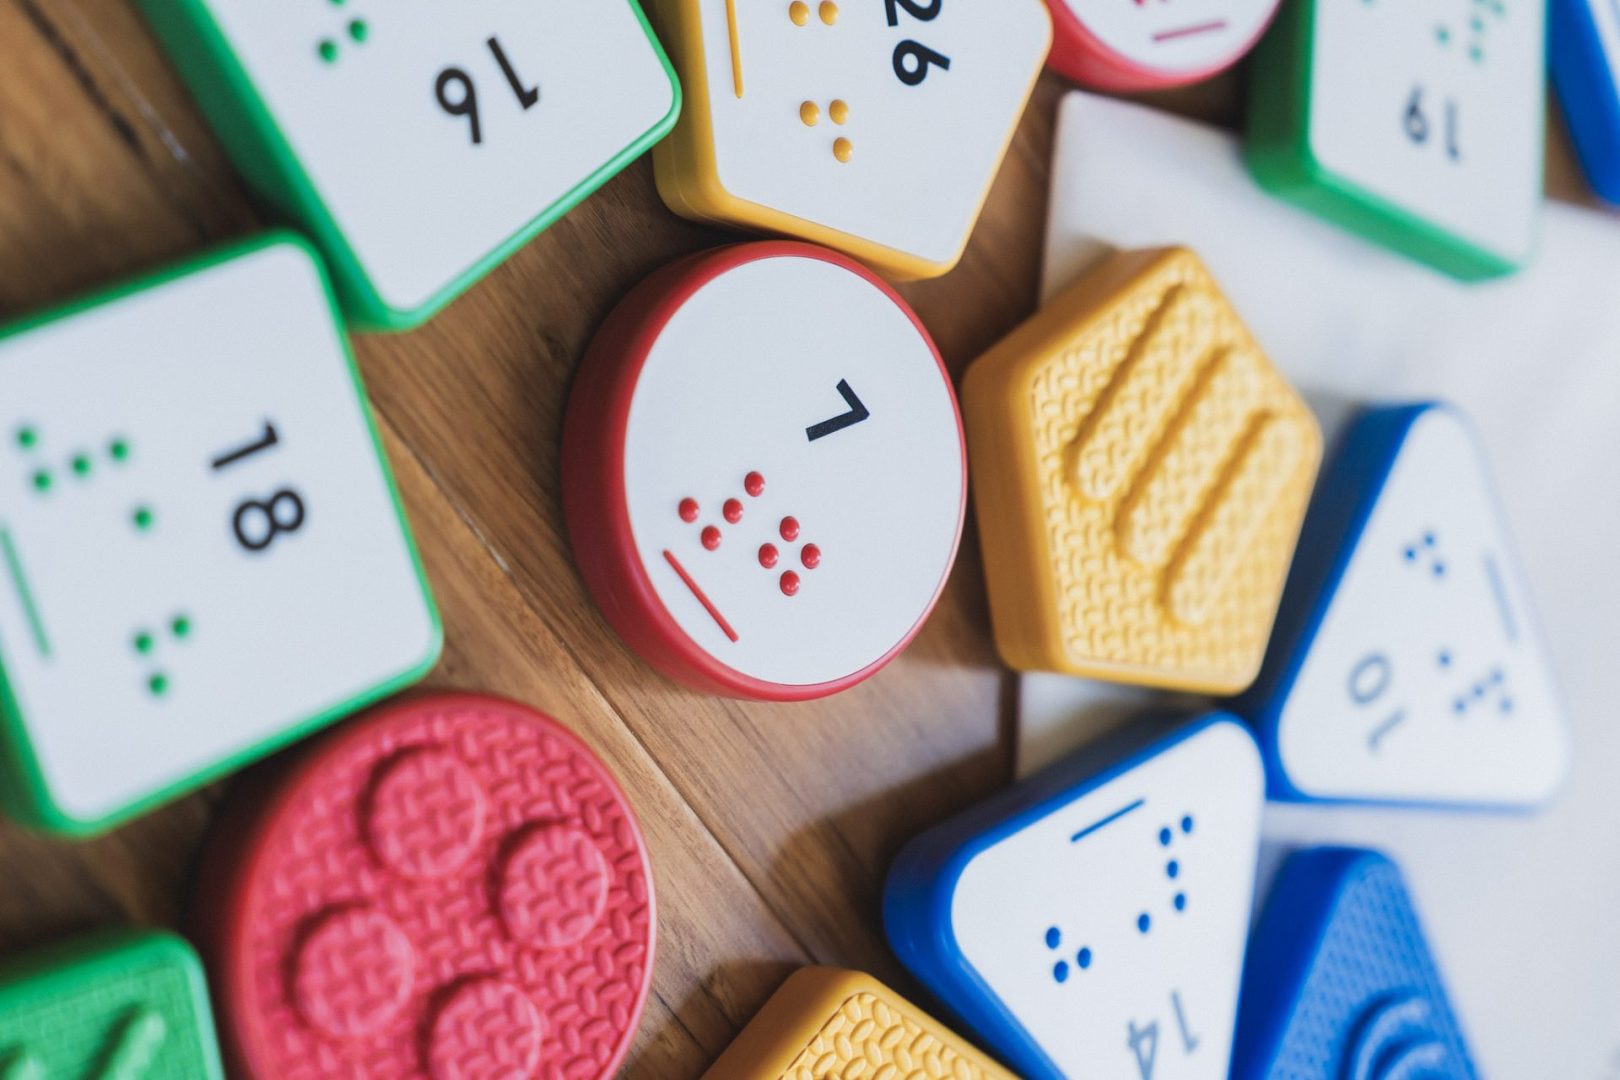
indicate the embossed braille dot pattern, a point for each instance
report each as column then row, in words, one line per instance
column 534, row 944
column 424, row 814
column 488, row 1029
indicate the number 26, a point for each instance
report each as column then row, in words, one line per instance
column 913, row 59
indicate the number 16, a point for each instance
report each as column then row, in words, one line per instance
column 466, row 104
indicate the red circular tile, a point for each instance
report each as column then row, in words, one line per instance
column 711, row 537
column 338, row 948
column 790, row 583
column 810, row 556
column 689, row 510
column 733, row 511
column 754, row 484
column 768, row 555
column 790, row 529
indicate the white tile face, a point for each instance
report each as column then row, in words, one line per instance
column 1427, row 680
column 1437, row 107
column 451, row 126
column 1114, row 928
column 933, row 89
column 270, row 530
column 1180, row 37
column 735, row 384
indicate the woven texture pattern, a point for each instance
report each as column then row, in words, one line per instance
column 458, row 891
column 135, row 1018
column 1372, row 1005
column 1174, row 469
column 872, row 1039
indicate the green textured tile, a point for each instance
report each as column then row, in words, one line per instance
column 112, row 1006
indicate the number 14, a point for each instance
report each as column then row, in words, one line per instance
column 1144, row 1041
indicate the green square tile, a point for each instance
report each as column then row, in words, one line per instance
column 123, row 1005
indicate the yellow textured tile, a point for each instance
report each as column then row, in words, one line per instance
column 1141, row 472
column 828, row 1024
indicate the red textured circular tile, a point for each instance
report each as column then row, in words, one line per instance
column 453, row 888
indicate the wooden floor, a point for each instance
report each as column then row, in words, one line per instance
column 771, row 826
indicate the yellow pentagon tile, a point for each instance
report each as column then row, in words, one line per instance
column 829, row 1024
column 1140, row 471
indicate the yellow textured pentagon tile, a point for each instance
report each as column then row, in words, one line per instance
column 1141, row 472
column 872, row 129
column 829, row 1024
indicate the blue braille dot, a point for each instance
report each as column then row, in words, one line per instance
column 1507, row 705
column 1054, row 938
column 1428, row 539
column 1439, row 569
column 1187, row 824
column 1143, row 922
column 1459, row 706
column 1060, row 971
column 1083, row 959
column 1181, row 901
column 1497, row 676
column 1444, row 658
column 1164, row 837
column 1172, row 868
column 1479, row 690
column 1411, row 554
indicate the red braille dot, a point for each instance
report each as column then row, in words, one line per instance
column 768, row 555
column 689, row 510
column 790, row 584
column 754, row 484
column 733, row 511
column 711, row 537
column 810, row 556
column 790, row 529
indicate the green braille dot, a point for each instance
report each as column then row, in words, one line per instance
column 329, row 51
column 27, row 438
column 358, row 30
column 1442, row 35
column 158, row 684
column 181, row 626
column 118, row 450
column 143, row 518
column 81, row 464
column 143, row 643
column 1476, row 54
column 42, row 481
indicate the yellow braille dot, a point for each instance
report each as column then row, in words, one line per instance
column 829, row 12
column 810, row 114
column 839, row 111
column 799, row 12
column 843, row 150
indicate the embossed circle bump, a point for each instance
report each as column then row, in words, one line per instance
column 553, row 886
column 354, row 972
column 424, row 814
column 487, row 1029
